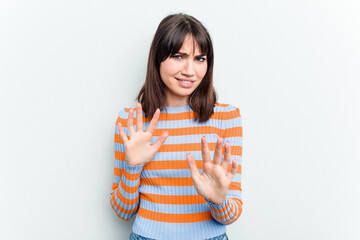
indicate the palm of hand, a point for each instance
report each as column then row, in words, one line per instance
column 213, row 183
column 138, row 149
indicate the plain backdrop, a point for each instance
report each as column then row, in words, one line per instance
column 68, row 67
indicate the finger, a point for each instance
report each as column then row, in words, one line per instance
column 130, row 123
column 153, row 121
column 205, row 153
column 139, row 118
column 195, row 174
column 233, row 170
column 227, row 157
column 122, row 133
column 218, row 151
column 160, row 141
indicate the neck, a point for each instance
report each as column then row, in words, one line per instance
column 177, row 102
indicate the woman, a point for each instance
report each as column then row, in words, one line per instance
column 178, row 189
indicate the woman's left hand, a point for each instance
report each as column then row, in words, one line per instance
column 213, row 183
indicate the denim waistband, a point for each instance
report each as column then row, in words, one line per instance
column 134, row 236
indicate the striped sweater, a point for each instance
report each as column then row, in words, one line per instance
column 162, row 192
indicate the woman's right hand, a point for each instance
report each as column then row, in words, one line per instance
column 138, row 149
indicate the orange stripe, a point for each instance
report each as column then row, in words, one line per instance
column 132, row 177
column 118, row 171
column 180, row 164
column 114, row 186
column 199, row 130
column 186, row 115
column 119, row 155
column 221, row 104
column 171, row 199
column 167, row 181
column 161, row 165
column 185, row 147
column 191, row 115
column 235, row 186
column 236, row 151
column 130, row 189
column 174, row 218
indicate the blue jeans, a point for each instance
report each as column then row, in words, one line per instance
column 134, row 236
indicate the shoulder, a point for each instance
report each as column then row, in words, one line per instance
column 226, row 110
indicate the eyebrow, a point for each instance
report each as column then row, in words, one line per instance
column 185, row 54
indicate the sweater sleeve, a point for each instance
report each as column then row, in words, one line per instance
column 124, row 196
column 229, row 211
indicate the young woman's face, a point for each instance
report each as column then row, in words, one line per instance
column 183, row 72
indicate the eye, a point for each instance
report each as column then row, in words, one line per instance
column 201, row 59
column 176, row 56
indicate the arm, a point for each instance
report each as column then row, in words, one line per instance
column 229, row 211
column 220, row 182
column 132, row 151
column 124, row 196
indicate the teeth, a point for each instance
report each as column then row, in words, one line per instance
column 186, row 81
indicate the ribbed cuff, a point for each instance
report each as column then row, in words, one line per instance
column 133, row 169
column 217, row 206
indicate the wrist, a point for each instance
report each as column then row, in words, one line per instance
column 217, row 205
column 133, row 169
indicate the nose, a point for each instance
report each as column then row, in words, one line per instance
column 189, row 68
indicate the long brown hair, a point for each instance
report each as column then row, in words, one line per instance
column 168, row 40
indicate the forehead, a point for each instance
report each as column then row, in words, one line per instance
column 190, row 46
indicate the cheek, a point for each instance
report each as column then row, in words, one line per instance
column 201, row 71
column 168, row 68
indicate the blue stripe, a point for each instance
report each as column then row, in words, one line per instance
column 175, row 173
column 168, row 190
column 127, row 195
column 235, row 194
column 186, row 123
column 116, row 179
column 181, row 155
column 174, row 208
column 177, row 231
column 130, row 183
